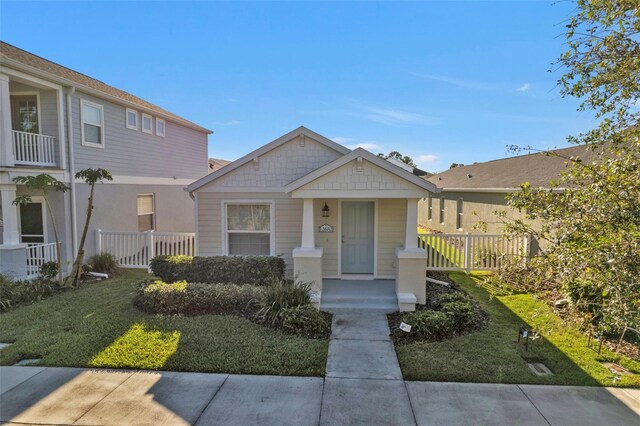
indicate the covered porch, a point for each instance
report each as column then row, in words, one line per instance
column 359, row 239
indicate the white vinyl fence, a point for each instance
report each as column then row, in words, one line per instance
column 37, row 255
column 136, row 249
column 466, row 252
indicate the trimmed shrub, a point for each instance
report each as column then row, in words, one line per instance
column 254, row 270
column 444, row 298
column 14, row 293
column 306, row 320
column 429, row 325
column 461, row 315
column 281, row 295
column 103, row 262
column 48, row 270
column 185, row 298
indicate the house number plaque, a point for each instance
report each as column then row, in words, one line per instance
column 326, row 228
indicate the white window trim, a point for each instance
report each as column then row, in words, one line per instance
column 143, row 116
column 164, row 125
column 101, row 108
column 153, row 203
column 272, row 223
column 126, row 119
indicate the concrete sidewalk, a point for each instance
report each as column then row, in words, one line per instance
column 37, row 395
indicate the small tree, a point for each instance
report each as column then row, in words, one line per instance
column 90, row 177
column 43, row 184
column 395, row 154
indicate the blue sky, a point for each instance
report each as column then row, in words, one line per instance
column 442, row 82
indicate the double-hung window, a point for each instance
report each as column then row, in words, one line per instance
column 248, row 228
column 92, row 117
column 146, row 212
column 160, row 125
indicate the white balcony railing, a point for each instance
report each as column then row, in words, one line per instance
column 37, row 255
column 33, row 149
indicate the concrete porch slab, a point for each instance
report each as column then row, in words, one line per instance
column 11, row 377
column 576, row 405
column 363, row 359
column 359, row 294
column 463, row 404
column 150, row 398
column 58, row 395
column 365, row 402
column 265, row 400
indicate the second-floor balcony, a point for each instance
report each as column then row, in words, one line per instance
column 32, row 149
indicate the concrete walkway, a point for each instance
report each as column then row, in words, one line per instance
column 55, row 396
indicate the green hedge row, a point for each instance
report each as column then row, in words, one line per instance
column 254, row 270
column 158, row 297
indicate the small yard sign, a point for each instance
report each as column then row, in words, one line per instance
column 405, row 327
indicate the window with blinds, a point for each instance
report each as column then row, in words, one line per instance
column 146, row 212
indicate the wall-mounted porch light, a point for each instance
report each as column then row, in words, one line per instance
column 325, row 210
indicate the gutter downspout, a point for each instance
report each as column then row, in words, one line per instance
column 72, row 172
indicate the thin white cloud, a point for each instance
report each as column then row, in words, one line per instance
column 524, row 88
column 467, row 84
column 392, row 116
column 226, row 123
column 342, row 140
column 426, row 160
column 369, row 146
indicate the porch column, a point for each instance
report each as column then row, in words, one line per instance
column 6, row 139
column 308, row 230
column 307, row 259
column 10, row 232
column 411, row 225
column 411, row 267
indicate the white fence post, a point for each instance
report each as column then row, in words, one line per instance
column 151, row 248
column 467, row 253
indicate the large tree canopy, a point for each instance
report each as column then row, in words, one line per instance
column 589, row 221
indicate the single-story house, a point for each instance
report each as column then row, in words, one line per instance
column 333, row 214
column 472, row 194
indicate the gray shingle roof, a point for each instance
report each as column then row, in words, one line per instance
column 538, row 169
column 12, row 53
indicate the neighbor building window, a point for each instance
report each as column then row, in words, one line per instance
column 146, row 212
column 442, row 210
column 429, row 207
column 92, row 118
column 248, row 228
column 147, row 123
column 132, row 119
column 160, row 127
column 459, row 214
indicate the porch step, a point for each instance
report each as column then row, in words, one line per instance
column 359, row 299
column 341, row 307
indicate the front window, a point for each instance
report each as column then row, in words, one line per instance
column 92, row 116
column 146, row 212
column 248, row 228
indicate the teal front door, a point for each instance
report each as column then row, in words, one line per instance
column 357, row 237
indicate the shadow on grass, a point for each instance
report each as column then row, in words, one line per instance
column 493, row 355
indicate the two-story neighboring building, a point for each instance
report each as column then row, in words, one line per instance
column 58, row 121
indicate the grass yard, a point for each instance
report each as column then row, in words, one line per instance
column 493, row 355
column 98, row 326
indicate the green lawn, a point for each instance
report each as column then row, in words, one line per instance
column 493, row 355
column 98, row 326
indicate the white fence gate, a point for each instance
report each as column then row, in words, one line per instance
column 39, row 254
column 466, row 252
column 136, row 249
